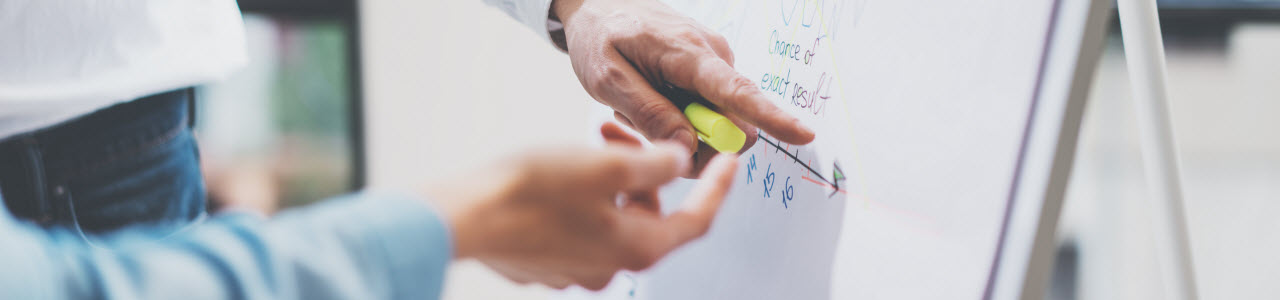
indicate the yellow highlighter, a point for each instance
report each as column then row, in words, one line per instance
column 713, row 128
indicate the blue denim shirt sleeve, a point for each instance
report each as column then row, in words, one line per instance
column 363, row 246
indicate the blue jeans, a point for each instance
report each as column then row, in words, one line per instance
column 132, row 163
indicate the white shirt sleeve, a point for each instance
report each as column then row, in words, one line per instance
column 532, row 13
column 60, row 59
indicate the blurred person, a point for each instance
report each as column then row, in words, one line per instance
column 96, row 108
column 95, row 130
column 550, row 217
column 95, row 135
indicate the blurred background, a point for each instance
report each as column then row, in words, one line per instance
column 1224, row 90
column 287, row 129
column 341, row 95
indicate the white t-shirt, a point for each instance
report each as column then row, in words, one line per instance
column 60, row 59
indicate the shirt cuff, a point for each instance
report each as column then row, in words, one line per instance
column 535, row 14
column 416, row 241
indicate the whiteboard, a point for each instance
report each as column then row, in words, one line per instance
column 927, row 114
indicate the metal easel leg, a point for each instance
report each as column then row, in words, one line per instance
column 1144, row 52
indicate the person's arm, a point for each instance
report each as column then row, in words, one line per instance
column 367, row 246
column 562, row 217
column 626, row 51
column 550, row 217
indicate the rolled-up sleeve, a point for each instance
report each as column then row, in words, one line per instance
column 364, row 246
column 532, row 13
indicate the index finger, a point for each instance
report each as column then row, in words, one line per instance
column 647, row 239
column 699, row 209
column 716, row 81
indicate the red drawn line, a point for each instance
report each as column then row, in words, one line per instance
column 823, row 184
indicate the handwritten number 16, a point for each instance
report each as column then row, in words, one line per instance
column 787, row 193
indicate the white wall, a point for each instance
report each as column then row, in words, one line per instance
column 453, row 86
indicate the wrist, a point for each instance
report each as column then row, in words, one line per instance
column 563, row 10
column 467, row 241
column 459, row 210
column 472, row 209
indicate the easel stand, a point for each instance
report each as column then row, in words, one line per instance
column 1144, row 52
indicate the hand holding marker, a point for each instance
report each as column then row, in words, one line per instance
column 712, row 128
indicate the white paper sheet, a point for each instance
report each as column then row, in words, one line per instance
column 921, row 105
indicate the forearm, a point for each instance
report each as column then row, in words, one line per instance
column 361, row 248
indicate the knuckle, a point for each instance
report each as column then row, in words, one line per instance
column 690, row 35
column 595, row 286
column 608, row 76
column 637, row 260
column 738, row 87
column 597, row 283
column 676, row 66
column 721, row 47
column 719, row 39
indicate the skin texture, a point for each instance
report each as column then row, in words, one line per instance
column 566, row 217
column 622, row 49
column 578, row 216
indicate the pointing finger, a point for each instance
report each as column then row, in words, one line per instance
column 699, row 209
column 645, row 239
column 720, row 84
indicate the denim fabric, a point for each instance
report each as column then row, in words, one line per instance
column 132, row 163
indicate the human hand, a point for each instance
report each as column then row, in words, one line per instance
column 622, row 49
column 555, row 219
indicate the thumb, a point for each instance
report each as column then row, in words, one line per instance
column 649, row 239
